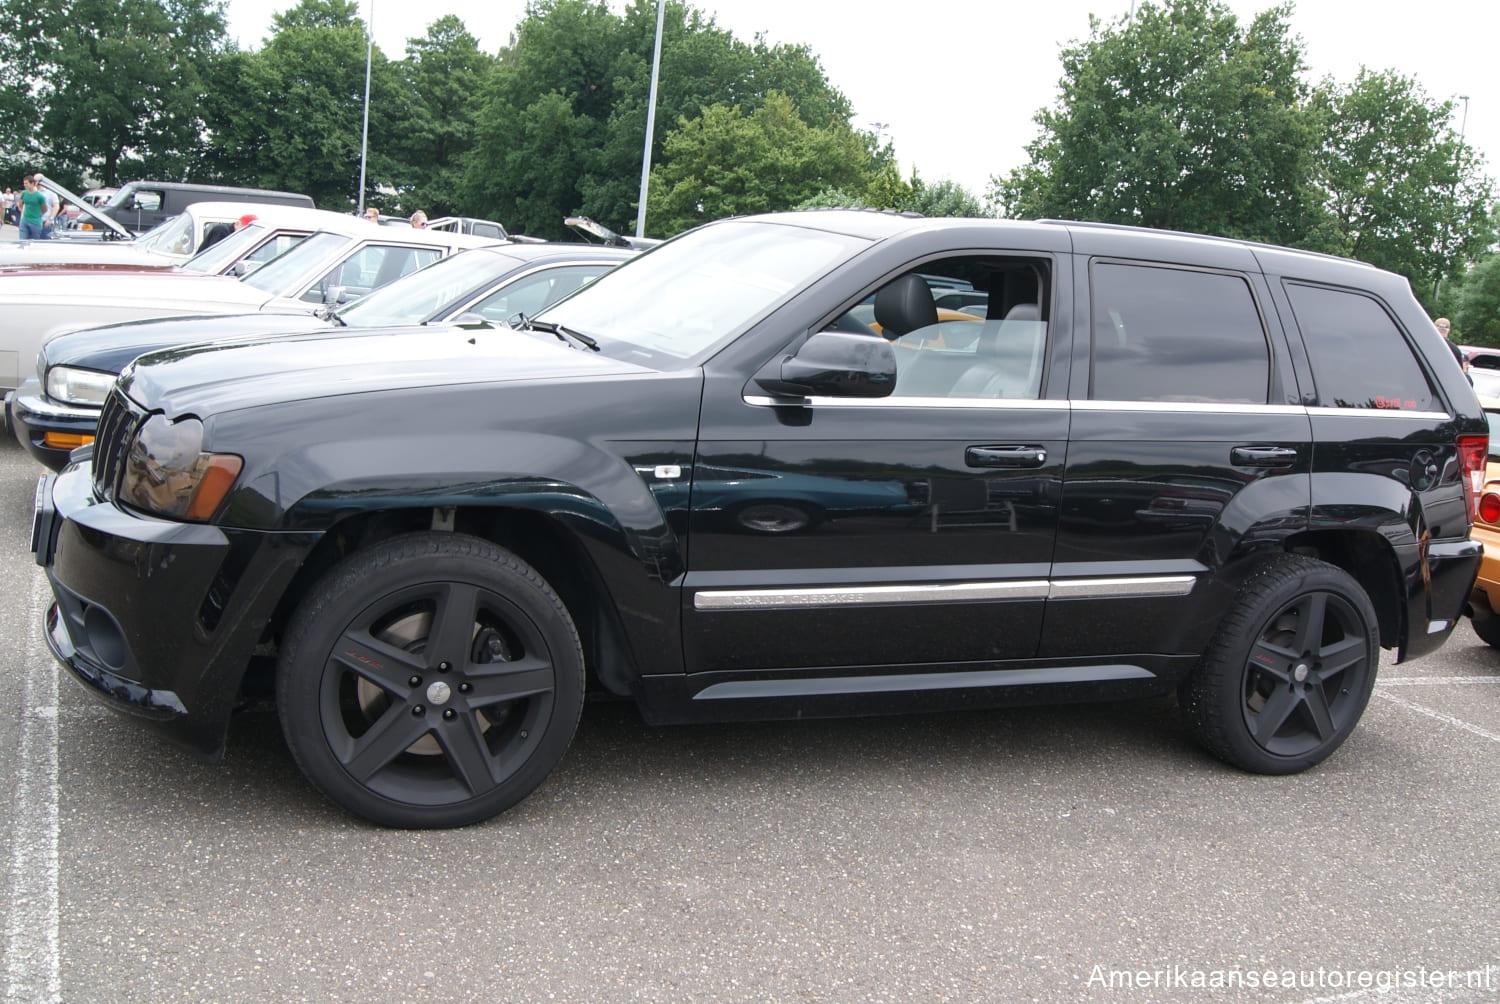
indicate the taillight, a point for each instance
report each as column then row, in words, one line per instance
column 1472, row 454
column 1489, row 508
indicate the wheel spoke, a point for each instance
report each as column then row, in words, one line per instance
column 463, row 743
column 386, row 739
column 495, row 682
column 1317, row 706
column 453, row 625
column 1273, row 660
column 1274, row 715
column 1310, row 614
column 1336, row 658
column 383, row 665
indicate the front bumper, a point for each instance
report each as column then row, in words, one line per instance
column 157, row 619
column 33, row 416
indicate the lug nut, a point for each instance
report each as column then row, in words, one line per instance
column 464, row 688
column 415, row 681
column 419, row 710
column 450, row 714
column 443, row 667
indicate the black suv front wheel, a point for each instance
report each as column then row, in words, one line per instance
column 1289, row 671
column 432, row 680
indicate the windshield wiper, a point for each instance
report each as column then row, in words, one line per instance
column 563, row 334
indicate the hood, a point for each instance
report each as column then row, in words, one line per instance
column 150, row 291
column 62, row 254
column 209, row 379
column 110, row 347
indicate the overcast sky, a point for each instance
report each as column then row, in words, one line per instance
column 955, row 83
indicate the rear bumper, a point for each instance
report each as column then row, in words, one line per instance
column 1437, row 600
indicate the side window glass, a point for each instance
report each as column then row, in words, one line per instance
column 1168, row 334
column 530, row 294
column 1360, row 359
column 971, row 328
column 147, row 200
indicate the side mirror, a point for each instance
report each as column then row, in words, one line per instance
column 240, row 269
column 333, row 295
column 471, row 319
column 833, row 364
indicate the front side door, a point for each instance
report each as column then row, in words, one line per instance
column 903, row 535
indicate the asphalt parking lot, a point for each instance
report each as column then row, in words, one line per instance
column 1060, row 854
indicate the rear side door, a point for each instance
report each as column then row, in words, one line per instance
column 1189, row 443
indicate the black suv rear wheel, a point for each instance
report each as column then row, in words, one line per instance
column 1289, row 671
column 433, row 680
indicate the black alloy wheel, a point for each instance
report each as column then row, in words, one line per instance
column 1290, row 671
column 432, row 680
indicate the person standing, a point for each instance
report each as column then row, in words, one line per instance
column 1444, row 326
column 33, row 212
column 54, row 206
column 419, row 220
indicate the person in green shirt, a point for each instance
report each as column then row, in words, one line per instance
column 33, row 212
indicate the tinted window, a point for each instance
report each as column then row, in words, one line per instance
column 1359, row 357
column 1165, row 334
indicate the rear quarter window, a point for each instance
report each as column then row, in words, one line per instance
column 1359, row 356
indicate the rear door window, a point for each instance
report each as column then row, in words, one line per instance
column 1360, row 358
column 1176, row 334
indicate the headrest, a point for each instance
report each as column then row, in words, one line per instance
column 904, row 304
column 1023, row 312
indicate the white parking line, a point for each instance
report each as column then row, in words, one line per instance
column 32, row 963
column 1430, row 713
column 1434, row 681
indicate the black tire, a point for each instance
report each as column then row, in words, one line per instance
column 1289, row 671
column 1486, row 625
column 411, row 734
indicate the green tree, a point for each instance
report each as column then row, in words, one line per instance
column 430, row 135
column 293, row 118
column 1400, row 190
column 943, row 198
column 563, row 123
column 727, row 163
column 1177, row 118
column 1477, row 320
column 105, row 87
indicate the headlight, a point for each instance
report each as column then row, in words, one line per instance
column 167, row 472
column 72, row 385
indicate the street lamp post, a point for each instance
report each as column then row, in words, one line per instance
column 364, row 141
column 640, row 213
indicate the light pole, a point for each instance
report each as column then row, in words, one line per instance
column 364, row 141
column 640, row 213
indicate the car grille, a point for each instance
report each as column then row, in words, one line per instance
column 117, row 425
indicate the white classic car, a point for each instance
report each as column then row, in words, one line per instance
column 336, row 264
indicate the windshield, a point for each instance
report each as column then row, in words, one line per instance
column 287, row 273
column 173, row 236
column 691, row 294
column 255, row 244
column 415, row 298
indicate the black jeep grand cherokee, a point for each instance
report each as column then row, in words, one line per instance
column 757, row 473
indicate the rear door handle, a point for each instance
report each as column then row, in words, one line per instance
column 1263, row 456
column 1005, row 456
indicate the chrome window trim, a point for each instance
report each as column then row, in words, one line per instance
column 1388, row 413
column 960, row 592
column 1007, row 403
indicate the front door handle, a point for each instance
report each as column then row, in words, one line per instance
column 1263, row 456
column 1005, row 456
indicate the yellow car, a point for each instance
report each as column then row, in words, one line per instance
column 1485, row 599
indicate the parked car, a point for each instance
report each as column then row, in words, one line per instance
column 1484, row 601
column 434, row 553
column 56, row 411
column 347, row 257
column 468, row 225
column 172, row 244
column 142, row 205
